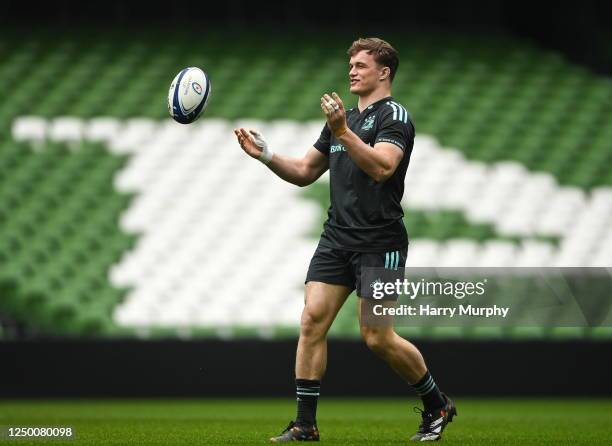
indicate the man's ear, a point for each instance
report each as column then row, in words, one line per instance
column 385, row 73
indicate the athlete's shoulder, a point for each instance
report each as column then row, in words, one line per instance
column 395, row 111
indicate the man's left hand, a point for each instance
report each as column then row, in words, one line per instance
column 334, row 111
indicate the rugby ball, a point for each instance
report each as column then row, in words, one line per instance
column 188, row 95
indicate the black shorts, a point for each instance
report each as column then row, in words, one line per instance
column 340, row 267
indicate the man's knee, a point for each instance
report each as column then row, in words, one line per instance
column 312, row 323
column 379, row 340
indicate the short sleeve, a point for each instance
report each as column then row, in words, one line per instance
column 323, row 143
column 396, row 128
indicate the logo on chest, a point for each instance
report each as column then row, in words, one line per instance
column 337, row 148
column 368, row 123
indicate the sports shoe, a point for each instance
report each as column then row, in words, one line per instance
column 293, row 432
column 434, row 422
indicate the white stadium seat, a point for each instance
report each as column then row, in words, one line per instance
column 30, row 128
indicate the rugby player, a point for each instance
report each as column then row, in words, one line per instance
column 367, row 150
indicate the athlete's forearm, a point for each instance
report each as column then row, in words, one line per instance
column 372, row 162
column 289, row 169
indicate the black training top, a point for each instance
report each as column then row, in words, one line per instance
column 366, row 216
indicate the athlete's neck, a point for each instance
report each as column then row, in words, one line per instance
column 370, row 98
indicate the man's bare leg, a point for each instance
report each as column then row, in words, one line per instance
column 402, row 356
column 322, row 302
column 406, row 360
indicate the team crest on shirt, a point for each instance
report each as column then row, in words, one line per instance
column 368, row 123
column 376, row 282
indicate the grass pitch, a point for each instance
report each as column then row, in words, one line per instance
column 341, row 421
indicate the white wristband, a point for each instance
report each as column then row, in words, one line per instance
column 266, row 155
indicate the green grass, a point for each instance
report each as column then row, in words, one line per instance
column 341, row 421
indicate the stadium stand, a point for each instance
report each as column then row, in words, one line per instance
column 115, row 220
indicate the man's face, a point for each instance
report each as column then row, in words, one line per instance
column 364, row 73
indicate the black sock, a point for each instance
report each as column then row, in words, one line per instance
column 427, row 389
column 307, row 392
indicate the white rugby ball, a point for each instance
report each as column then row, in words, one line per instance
column 188, row 95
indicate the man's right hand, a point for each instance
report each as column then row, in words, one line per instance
column 251, row 142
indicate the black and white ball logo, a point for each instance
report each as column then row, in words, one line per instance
column 196, row 87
